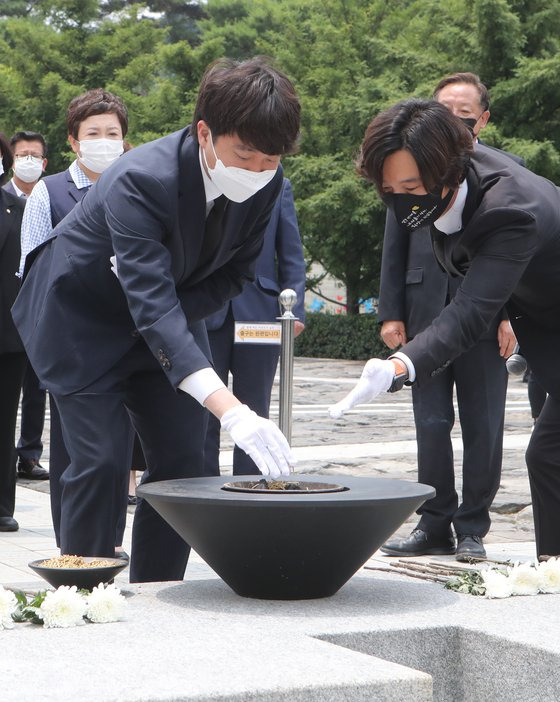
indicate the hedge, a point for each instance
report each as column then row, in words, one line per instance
column 353, row 337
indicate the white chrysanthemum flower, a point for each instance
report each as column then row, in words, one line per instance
column 524, row 579
column 497, row 584
column 8, row 604
column 63, row 608
column 549, row 575
column 105, row 604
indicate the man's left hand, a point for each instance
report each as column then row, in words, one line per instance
column 506, row 339
column 377, row 377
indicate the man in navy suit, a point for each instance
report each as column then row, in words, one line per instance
column 413, row 291
column 280, row 265
column 30, row 160
column 112, row 309
column 495, row 225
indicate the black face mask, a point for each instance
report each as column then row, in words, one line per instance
column 470, row 123
column 413, row 211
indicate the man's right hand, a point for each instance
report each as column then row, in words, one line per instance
column 393, row 334
column 260, row 438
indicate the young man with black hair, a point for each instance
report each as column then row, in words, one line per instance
column 413, row 291
column 112, row 309
column 495, row 225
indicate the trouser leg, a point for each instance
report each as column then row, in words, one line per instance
column 96, row 431
column 253, row 369
column 434, row 418
column 33, row 404
column 481, row 384
column 171, row 426
column 11, row 374
column 543, row 464
column 221, row 346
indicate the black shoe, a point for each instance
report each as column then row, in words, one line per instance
column 420, row 543
column 8, row 524
column 31, row 469
column 470, row 546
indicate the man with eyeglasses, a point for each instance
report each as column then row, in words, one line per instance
column 30, row 161
column 29, row 150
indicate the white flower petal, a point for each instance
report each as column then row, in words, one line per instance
column 497, row 583
column 549, row 575
column 8, row 605
column 105, row 604
column 524, row 578
column 63, row 608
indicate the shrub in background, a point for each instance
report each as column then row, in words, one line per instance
column 352, row 337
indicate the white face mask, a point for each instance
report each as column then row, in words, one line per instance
column 98, row 154
column 28, row 168
column 237, row 184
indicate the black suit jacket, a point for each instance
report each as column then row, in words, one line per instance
column 508, row 252
column 413, row 286
column 77, row 319
column 11, row 213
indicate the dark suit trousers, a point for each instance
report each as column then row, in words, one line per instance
column 480, row 379
column 33, row 403
column 541, row 348
column 95, row 424
column 253, row 367
column 543, row 463
column 59, row 461
column 12, row 366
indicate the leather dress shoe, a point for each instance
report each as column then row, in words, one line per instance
column 420, row 543
column 31, row 469
column 8, row 524
column 470, row 546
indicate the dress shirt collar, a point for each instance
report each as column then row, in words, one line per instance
column 79, row 177
column 18, row 192
column 452, row 221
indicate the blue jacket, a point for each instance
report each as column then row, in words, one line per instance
column 77, row 319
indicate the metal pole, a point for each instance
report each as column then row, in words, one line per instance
column 287, row 300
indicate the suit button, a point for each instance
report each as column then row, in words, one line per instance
column 135, row 333
column 164, row 360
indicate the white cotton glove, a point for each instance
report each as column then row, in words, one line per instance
column 260, row 439
column 376, row 378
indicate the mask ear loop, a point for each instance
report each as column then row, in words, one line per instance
column 214, row 152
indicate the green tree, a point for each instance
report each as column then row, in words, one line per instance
column 348, row 58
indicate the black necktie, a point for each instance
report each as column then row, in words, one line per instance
column 213, row 230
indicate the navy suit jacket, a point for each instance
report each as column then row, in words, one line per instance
column 77, row 320
column 9, row 188
column 507, row 253
column 280, row 265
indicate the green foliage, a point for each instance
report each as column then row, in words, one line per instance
column 353, row 337
column 27, row 611
column 348, row 59
column 469, row 583
column 339, row 212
